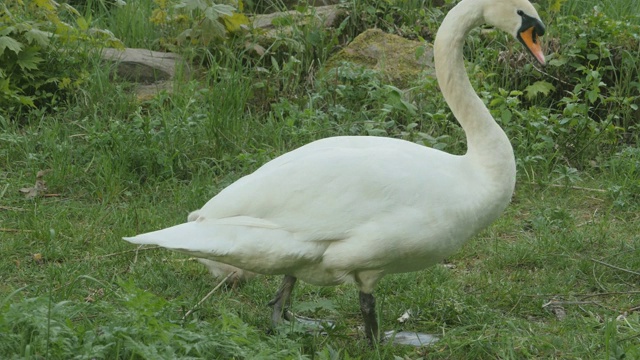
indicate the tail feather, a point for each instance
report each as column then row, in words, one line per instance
column 248, row 244
column 185, row 236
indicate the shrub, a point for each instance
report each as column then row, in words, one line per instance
column 43, row 56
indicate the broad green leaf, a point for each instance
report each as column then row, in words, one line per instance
column 556, row 5
column 70, row 9
column 211, row 15
column 29, row 59
column 192, row 5
column 558, row 62
column 64, row 83
column 211, row 29
column 539, row 87
column 320, row 304
column 38, row 36
column 8, row 30
column 184, row 36
column 26, row 100
column 46, row 4
column 223, row 9
column 235, row 21
column 82, row 23
column 9, row 43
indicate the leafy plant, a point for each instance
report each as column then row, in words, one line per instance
column 43, row 58
column 202, row 22
column 132, row 324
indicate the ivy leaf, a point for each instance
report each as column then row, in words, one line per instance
column 9, row 43
column 539, row 87
column 39, row 36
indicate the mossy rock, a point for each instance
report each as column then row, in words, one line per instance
column 399, row 59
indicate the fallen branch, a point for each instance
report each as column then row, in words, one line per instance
column 615, row 267
column 209, row 294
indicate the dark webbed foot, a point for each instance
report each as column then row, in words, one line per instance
column 282, row 301
column 368, row 309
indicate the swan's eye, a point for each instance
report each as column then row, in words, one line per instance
column 520, row 12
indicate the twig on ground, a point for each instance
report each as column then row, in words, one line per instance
column 551, row 76
column 560, row 302
column 14, row 230
column 571, row 187
column 11, row 208
column 127, row 251
column 585, row 296
column 634, row 309
column 135, row 258
column 209, row 294
column 615, row 267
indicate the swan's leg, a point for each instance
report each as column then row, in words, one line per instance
column 368, row 309
column 282, row 301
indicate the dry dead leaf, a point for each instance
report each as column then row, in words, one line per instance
column 94, row 294
column 556, row 309
column 37, row 257
column 406, row 316
column 42, row 173
column 255, row 47
column 38, row 189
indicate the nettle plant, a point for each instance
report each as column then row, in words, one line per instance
column 44, row 51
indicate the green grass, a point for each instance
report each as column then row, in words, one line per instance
column 555, row 277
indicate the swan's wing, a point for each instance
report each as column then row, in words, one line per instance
column 331, row 186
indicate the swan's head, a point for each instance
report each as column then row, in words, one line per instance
column 519, row 18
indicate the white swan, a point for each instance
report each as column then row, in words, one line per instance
column 353, row 209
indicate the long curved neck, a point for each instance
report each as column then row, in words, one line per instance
column 487, row 145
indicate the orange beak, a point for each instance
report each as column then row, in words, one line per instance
column 530, row 39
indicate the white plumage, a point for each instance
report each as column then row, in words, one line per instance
column 353, row 209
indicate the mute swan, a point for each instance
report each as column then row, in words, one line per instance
column 353, row 209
